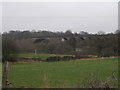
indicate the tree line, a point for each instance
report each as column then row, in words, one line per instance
column 82, row 43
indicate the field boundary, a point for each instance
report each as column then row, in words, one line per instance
column 82, row 59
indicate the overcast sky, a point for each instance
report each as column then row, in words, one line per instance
column 60, row 16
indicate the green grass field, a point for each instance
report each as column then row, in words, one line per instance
column 42, row 56
column 60, row 74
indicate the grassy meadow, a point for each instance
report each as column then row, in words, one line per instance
column 61, row 74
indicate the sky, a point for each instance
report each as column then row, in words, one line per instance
column 60, row 16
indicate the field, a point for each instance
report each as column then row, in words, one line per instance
column 42, row 56
column 61, row 74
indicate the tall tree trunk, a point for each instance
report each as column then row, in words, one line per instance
column 6, row 71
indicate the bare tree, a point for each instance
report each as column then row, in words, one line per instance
column 100, row 32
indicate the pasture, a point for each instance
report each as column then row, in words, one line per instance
column 63, row 74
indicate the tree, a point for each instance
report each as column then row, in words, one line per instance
column 98, row 43
column 72, row 42
column 68, row 33
column 117, row 32
column 101, row 33
column 9, row 50
column 83, row 33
